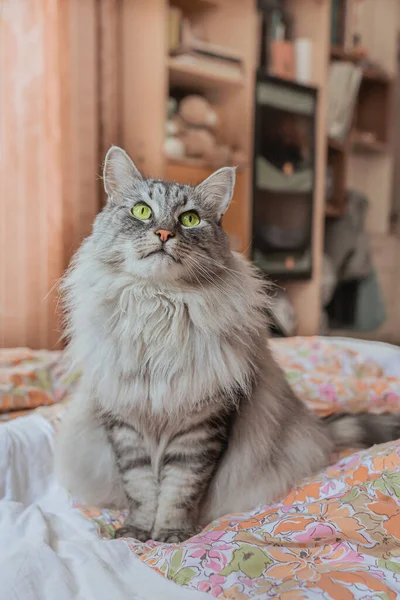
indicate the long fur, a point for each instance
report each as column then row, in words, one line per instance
column 182, row 414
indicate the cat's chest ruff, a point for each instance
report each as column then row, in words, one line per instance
column 158, row 322
column 170, row 353
column 158, row 334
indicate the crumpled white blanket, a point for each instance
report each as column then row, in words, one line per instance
column 48, row 550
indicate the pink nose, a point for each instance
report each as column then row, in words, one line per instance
column 164, row 234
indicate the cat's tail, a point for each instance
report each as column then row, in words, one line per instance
column 362, row 430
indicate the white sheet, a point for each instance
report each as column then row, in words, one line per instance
column 48, row 550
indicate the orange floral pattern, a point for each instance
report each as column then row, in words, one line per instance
column 344, row 543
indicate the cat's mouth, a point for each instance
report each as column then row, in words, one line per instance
column 162, row 252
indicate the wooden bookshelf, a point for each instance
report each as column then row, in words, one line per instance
column 147, row 67
column 230, row 24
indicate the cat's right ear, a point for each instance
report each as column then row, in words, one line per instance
column 119, row 173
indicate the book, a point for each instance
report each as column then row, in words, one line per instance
column 213, row 66
column 344, row 84
column 189, row 43
column 209, row 51
column 174, row 28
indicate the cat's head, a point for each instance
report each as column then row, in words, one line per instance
column 161, row 230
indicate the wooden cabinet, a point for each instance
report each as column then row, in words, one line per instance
column 146, row 84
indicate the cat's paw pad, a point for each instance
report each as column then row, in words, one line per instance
column 130, row 531
column 174, row 536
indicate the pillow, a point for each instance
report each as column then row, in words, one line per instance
column 330, row 378
column 31, row 378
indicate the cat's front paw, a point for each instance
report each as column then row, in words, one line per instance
column 174, row 536
column 131, row 531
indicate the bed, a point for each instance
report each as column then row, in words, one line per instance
column 335, row 536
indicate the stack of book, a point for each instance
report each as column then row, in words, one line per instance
column 344, row 84
column 188, row 49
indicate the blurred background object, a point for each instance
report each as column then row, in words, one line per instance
column 302, row 95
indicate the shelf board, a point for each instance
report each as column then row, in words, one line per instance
column 191, row 6
column 333, row 211
column 197, row 163
column 358, row 143
column 337, row 145
column 376, row 75
column 341, row 54
column 200, row 76
column 369, row 72
column 362, row 144
column 283, row 194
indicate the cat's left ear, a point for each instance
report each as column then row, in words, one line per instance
column 119, row 173
column 217, row 190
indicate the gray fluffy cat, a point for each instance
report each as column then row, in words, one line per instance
column 182, row 415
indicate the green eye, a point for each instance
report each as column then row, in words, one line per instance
column 190, row 219
column 141, row 211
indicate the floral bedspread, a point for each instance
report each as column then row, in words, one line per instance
column 335, row 536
